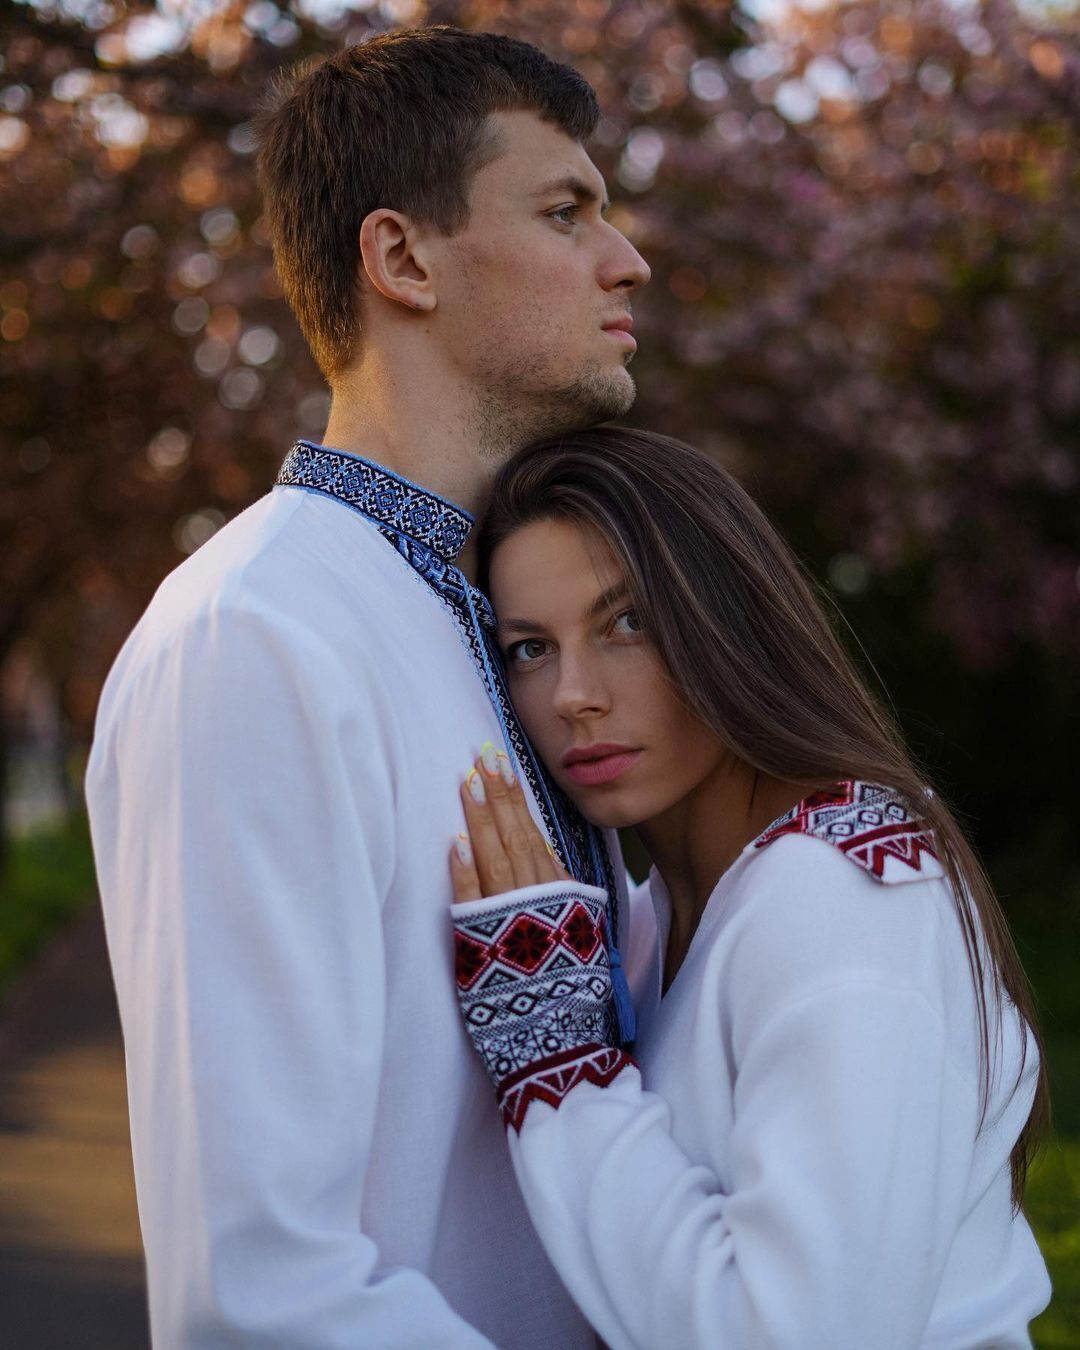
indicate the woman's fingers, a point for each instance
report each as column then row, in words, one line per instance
column 515, row 834
column 547, row 866
column 492, row 865
column 502, row 849
column 463, row 875
column 544, row 862
column 502, row 853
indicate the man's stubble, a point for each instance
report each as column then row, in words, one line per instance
column 518, row 405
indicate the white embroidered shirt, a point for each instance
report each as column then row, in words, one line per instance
column 795, row 1161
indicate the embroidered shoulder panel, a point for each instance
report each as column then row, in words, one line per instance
column 534, row 984
column 869, row 824
column 423, row 516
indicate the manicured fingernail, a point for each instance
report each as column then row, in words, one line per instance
column 505, row 768
column 489, row 759
column 475, row 784
column 464, row 851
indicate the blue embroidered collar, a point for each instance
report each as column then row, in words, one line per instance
column 411, row 510
column 429, row 533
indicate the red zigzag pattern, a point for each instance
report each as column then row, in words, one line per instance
column 865, row 821
column 549, row 1080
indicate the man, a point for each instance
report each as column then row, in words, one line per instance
column 273, row 785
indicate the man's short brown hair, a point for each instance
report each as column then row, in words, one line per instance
column 399, row 122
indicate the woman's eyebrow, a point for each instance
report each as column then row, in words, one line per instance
column 606, row 599
column 603, row 601
column 506, row 626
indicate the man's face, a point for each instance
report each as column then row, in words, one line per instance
column 529, row 290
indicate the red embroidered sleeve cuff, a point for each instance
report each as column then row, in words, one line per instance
column 534, row 984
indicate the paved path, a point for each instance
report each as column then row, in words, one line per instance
column 71, row 1273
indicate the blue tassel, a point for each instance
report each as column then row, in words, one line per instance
column 624, row 1008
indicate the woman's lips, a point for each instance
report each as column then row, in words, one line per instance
column 591, row 772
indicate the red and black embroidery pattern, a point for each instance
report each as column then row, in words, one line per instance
column 534, row 984
column 866, row 822
column 549, row 1080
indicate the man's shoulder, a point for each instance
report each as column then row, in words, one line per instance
column 291, row 558
column 294, row 572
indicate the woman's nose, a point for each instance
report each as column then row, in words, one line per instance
column 580, row 692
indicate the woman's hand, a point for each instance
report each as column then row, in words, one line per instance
column 502, row 849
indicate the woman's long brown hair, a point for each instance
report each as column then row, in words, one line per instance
column 747, row 644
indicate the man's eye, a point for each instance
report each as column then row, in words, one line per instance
column 526, row 651
column 569, row 211
column 627, row 623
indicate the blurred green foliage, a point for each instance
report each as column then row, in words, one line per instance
column 1046, row 925
column 1053, row 1206
column 48, row 877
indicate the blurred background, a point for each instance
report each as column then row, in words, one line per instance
column 863, row 221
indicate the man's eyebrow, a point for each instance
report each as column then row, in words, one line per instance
column 603, row 602
column 576, row 187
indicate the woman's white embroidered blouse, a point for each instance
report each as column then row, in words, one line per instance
column 795, row 1157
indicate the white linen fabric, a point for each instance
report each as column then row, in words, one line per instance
column 796, row 1160
column 273, row 792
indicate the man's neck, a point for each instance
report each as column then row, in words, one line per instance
column 427, row 435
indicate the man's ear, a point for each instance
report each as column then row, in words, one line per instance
column 391, row 252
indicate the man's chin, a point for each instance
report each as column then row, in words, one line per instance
column 600, row 397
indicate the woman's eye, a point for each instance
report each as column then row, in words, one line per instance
column 627, row 623
column 526, row 651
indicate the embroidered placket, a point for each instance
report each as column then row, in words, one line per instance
column 429, row 533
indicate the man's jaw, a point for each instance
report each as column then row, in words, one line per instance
column 509, row 416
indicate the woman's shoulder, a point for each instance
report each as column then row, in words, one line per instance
column 846, row 887
column 868, row 824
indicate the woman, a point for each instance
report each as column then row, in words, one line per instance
column 821, row 1136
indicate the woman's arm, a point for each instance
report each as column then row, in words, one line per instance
column 848, row 1161
column 849, row 1154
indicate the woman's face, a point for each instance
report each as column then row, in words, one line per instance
column 588, row 686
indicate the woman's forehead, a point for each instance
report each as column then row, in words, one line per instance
column 552, row 564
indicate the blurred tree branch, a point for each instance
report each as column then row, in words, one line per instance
column 864, row 232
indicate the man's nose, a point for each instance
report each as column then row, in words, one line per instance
column 625, row 269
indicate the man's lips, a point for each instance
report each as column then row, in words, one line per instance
column 600, row 763
column 620, row 328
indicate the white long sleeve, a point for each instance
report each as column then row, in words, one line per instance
column 272, row 788
column 841, row 1208
column 252, row 987
column 839, row 1216
column 808, row 1169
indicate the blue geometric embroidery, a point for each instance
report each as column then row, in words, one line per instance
column 429, row 533
column 425, row 517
